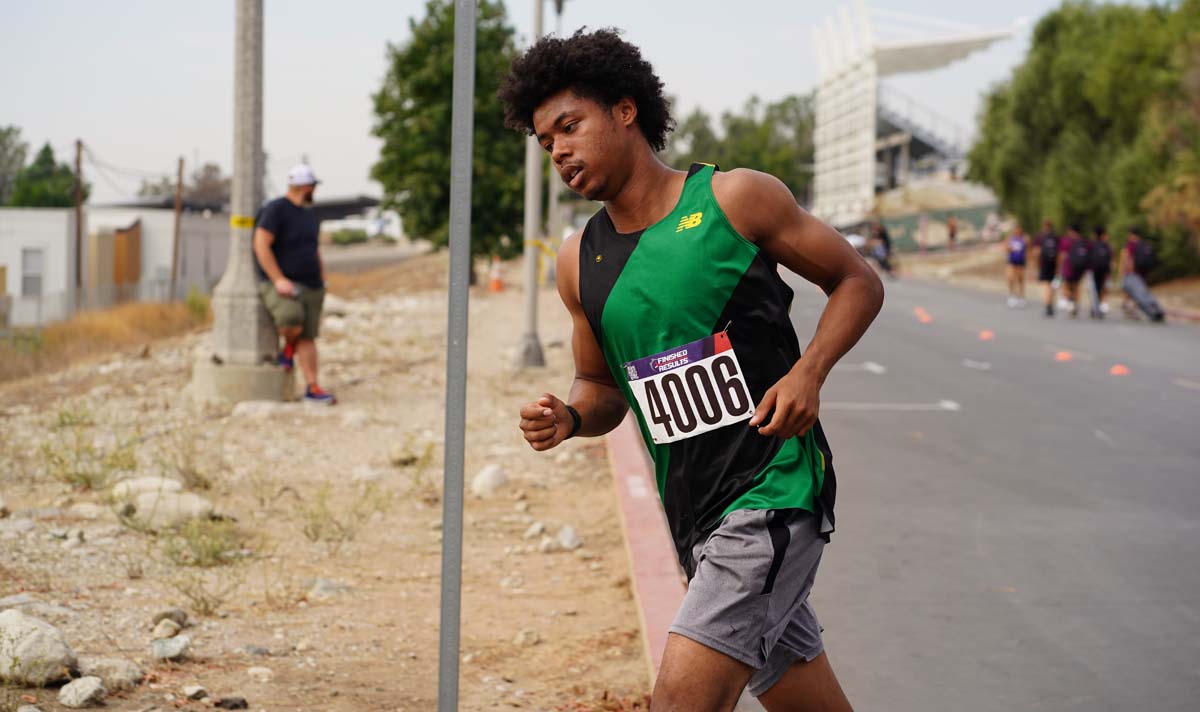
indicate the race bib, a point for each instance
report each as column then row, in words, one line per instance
column 690, row 389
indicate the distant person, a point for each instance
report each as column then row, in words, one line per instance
column 1101, row 267
column 1074, row 259
column 1017, row 249
column 951, row 231
column 881, row 248
column 1137, row 259
column 292, row 276
column 1048, row 262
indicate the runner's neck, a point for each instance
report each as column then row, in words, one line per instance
column 651, row 193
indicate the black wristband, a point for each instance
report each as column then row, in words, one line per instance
column 577, row 424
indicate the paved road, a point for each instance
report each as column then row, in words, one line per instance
column 1015, row 532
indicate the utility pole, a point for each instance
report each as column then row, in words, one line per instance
column 554, row 212
column 530, row 353
column 78, row 221
column 178, row 218
column 240, row 363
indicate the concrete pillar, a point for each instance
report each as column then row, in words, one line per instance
column 240, row 363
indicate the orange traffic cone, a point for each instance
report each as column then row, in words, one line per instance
column 495, row 284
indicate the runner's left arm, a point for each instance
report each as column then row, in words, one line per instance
column 764, row 211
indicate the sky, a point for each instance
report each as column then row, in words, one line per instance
column 143, row 82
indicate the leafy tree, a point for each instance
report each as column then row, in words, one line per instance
column 1101, row 125
column 413, row 109
column 775, row 138
column 207, row 184
column 12, row 157
column 46, row 183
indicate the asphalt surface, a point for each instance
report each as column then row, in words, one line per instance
column 1015, row 531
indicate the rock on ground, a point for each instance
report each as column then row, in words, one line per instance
column 490, row 480
column 166, row 628
column 232, row 703
column 569, row 539
column 170, row 648
column 32, row 652
column 3, row 508
column 84, row 692
column 163, row 510
column 195, row 692
column 527, row 637
column 128, row 489
column 117, row 674
column 178, row 615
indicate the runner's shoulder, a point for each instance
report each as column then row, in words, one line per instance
column 751, row 199
column 567, row 269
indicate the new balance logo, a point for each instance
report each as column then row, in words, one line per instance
column 687, row 222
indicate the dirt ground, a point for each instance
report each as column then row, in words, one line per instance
column 324, row 566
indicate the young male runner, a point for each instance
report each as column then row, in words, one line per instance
column 679, row 312
column 1048, row 262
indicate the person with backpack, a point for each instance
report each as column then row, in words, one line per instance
column 1137, row 260
column 1016, row 248
column 1075, row 259
column 1101, row 267
column 1048, row 262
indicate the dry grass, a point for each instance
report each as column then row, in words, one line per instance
column 92, row 334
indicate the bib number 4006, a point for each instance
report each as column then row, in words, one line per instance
column 691, row 389
column 697, row 396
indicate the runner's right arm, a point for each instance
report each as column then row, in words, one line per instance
column 263, row 239
column 594, row 394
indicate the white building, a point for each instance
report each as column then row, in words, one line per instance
column 38, row 262
column 127, row 255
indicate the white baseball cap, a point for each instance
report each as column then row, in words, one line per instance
column 302, row 174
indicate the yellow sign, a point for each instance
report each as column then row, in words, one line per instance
column 241, row 221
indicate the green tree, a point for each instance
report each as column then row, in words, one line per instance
column 412, row 111
column 46, row 183
column 12, row 157
column 775, row 138
column 1097, row 125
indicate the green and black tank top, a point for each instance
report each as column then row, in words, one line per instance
column 693, row 322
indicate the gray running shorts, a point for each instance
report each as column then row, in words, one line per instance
column 749, row 596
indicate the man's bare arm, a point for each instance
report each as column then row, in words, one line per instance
column 764, row 211
column 594, row 394
column 263, row 239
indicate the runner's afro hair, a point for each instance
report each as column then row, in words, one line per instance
column 596, row 65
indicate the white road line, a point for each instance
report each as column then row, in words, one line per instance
column 1185, row 383
column 977, row 365
column 940, row 406
column 868, row 366
column 637, row 486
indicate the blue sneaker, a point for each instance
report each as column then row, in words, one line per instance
column 285, row 362
column 315, row 396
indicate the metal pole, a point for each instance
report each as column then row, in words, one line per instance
column 554, row 211
column 461, row 127
column 178, row 219
column 78, row 224
column 530, row 353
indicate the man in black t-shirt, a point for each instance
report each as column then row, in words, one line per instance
column 1048, row 261
column 292, row 277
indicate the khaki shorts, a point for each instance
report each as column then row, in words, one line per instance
column 303, row 310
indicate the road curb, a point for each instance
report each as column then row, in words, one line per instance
column 657, row 580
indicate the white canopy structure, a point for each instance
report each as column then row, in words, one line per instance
column 858, row 122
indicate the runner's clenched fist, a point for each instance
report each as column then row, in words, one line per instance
column 546, row 422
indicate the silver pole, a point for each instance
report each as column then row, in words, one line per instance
column 530, row 353
column 554, row 210
column 461, row 126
